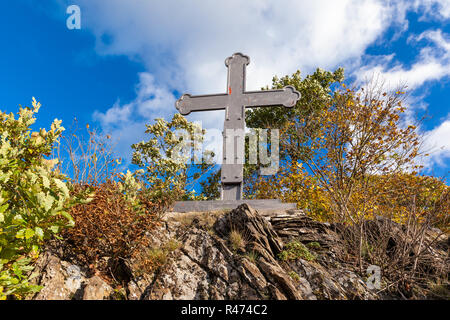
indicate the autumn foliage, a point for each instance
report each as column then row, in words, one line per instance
column 355, row 161
column 108, row 229
column 359, row 160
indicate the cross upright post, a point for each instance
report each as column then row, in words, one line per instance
column 234, row 102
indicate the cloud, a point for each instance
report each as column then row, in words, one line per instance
column 432, row 63
column 433, row 9
column 126, row 123
column 151, row 100
column 185, row 43
column 114, row 115
column 183, row 46
column 437, row 143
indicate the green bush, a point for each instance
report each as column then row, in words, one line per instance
column 34, row 198
column 172, row 160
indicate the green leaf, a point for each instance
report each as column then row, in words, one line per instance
column 39, row 233
column 3, row 207
column 54, row 229
column 18, row 219
column 45, row 182
column 29, row 233
column 45, row 200
column 2, row 210
column 66, row 215
column 20, row 234
column 62, row 186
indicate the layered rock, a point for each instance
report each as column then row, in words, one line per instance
column 207, row 265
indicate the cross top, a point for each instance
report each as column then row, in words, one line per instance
column 234, row 102
column 236, row 65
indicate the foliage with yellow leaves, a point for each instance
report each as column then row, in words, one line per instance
column 34, row 197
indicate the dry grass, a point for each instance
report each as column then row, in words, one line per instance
column 205, row 220
column 236, row 240
column 253, row 256
column 411, row 256
column 152, row 259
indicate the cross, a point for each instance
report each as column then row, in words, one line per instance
column 234, row 101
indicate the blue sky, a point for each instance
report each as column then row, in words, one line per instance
column 132, row 58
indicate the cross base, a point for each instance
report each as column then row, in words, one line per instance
column 231, row 191
column 214, row 205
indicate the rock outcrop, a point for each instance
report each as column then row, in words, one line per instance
column 210, row 263
column 62, row 280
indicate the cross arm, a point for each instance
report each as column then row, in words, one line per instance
column 287, row 97
column 187, row 103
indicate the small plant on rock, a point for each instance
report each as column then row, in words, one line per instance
column 236, row 240
column 296, row 250
column 313, row 245
column 294, row 275
column 152, row 259
column 253, row 256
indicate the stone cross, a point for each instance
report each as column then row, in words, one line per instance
column 234, row 101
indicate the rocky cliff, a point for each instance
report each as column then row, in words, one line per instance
column 236, row 255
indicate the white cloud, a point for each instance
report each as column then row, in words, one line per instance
column 185, row 43
column 151, row 101
column 433, row 9
column 114, row 115
column 433, row 63
column 437, row 142
column 126, row 123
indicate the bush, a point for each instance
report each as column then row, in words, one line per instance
column 109, row 229
column 34, row 198
column 169, row 166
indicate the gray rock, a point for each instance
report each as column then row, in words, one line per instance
column 60, row 280
column 206, row 266
column 96, row 289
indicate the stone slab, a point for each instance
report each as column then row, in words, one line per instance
column 214, row 205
